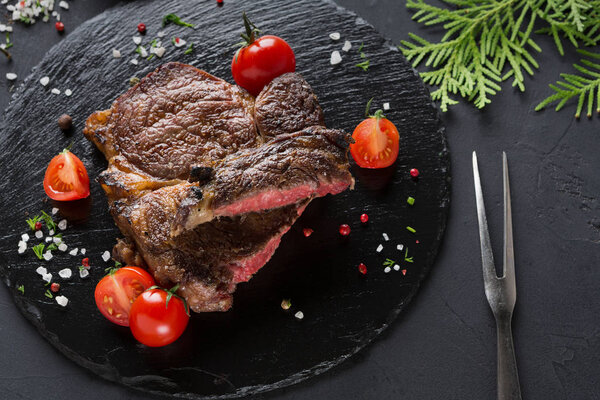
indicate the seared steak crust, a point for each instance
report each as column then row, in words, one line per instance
column 201, row 194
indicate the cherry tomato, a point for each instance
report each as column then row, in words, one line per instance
column 376, row 142
column 158, row 318
column 261, row 60
column 116, row 292
column 66, row 178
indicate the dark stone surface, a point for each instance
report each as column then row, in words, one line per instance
column 444, row 345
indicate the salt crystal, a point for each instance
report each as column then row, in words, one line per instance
column 9, row 29
column 379, row 248
column 64, row 5
column 54, row 210
column 396, row 267
column 347, row 46
column 39, row 234
column 299, row 315
column 82, row 251
column 335, row 36
column 386, row 106
column 160, row 51
column 62, row 225
column 137, row 39
column 134, row 61
column 161, row 34
column 83, row 273
column 179, row 42
column 25, row 237
column 47, row 256
column 56, row 239
column 387, row 269
column 22, row 248
column 336, row 58
column 16, row 15
column 51, row 232
column 62, row 247
column 68, row 92
column 47, row 277
column 55, row 91
column 54, row 13
column 106, row 256
column 65, row 273
column 62, row 300
column 400, row 247
column 116, row 53
column 74, row 251
column 44, row 81
column 48, row 239
column 11, row 76
column 143, row 52
column 386, row 237
column 41, row 270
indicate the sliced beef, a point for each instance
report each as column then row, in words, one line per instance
column 201, row 194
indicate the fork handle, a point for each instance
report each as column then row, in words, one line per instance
column 508, row 377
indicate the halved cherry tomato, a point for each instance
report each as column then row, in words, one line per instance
column 116, row 292
column 158, row 317
column 261, row 60
column 376, row 141
column 66, row 178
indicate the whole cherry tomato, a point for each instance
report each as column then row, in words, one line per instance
column 261, row 60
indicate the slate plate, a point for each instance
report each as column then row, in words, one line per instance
column 256, row 346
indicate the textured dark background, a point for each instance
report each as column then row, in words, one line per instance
column 444, row 345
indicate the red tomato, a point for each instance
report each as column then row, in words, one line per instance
column 66, row 178
column 116, row 292
column 261, row 60
column 156, row 322
column 376, row 142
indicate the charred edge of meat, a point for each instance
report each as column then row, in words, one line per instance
column 197, row 192
column 201, row 174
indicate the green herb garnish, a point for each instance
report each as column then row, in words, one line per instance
column 190, row 49
column 39, row 250
column 411, row 229
column 52, row 247
column 389, row 263
column 21, row 289
column 406, row 257
column 174, row 19
column 32, row 221
column 363, row 65
column 48, row 220
column 48, row 294
column 410, row 200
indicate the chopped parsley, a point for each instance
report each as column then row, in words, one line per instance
column 411, row 229
column 410, row 200
column 406, row 257
column 174, row 19
column 21, row 289
column 364, row 65
column 48, row 220
column 32, row 221
column 190, row 49
column 48, row 294
column 389, row 263
column 52, row 247
column 39, row 250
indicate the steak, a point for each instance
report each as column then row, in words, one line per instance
column 204, row 181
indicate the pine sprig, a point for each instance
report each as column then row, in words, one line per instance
column 586, row 87
column 489, row 41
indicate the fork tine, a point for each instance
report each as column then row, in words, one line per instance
column 509, row 255
column 487, row 257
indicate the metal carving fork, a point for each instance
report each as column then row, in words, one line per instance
column 501, row 292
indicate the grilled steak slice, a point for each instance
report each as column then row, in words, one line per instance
column 200, row 193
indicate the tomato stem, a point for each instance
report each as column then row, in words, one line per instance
column 377, row 115
column 251, row 30
column 171, row 293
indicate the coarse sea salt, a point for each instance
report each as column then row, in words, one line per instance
column 161, row 34
column 41, row 270
column 47, row 277
column 48, row 239
column 11, row 76
column 82, row 251
column 106, row 256
column 54, row 210
column 179, row 42
column 39, row 234
column 64, row 4
column 336, row 58
column 134, row 61
column 386, row 106
column 143, row 52
column 68, row 92
column 51, row 232
column 299, row 315
column 65, row 273
column 387, row 270
column 160, row 51
column 379, row 248
column 74, row 251
column 335, row 36
column 116, row 53
column 56, row 239
column 62, row 225
column 400, row 247
column 347, row 46
column 137, row 39
column 47, row 256
column 62, row 300
column 25, row 237
column 396, row 267
column 22, row 247
column 44, row 80
column 83, row 273
column 386, row 237
column 55, row 91
column 62, row 247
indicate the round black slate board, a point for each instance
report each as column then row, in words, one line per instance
column 256, row 346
